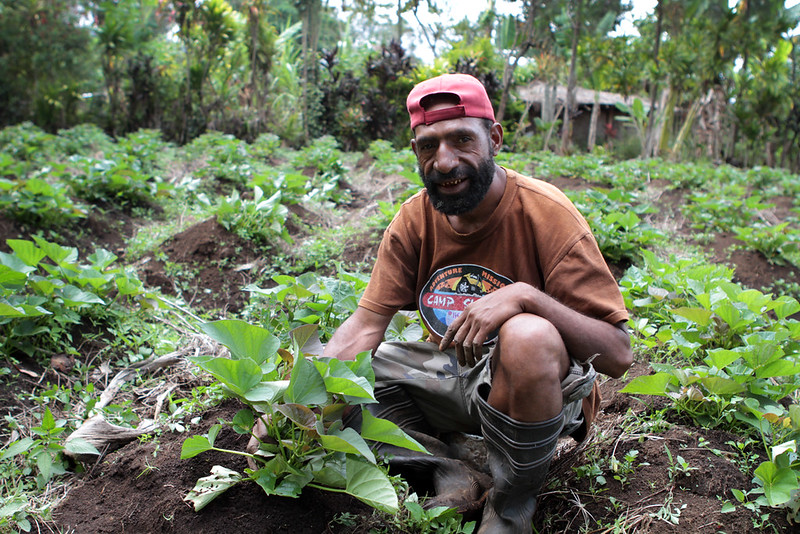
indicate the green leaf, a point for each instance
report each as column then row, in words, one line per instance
column 209, row 488
column 15, row 264
column 27, row 251
column 268, row 392
column 60, row 255
column 301, row 415
column 213, row 432
column 48, row 421
column 306, row 385
column 384, row 431
column 243, row 421
column 367, row 483
column 307, row 338
column 94, row 277
column 721, row 358
column 80, row 446
column 194, row 446
column 240, row 376
column 128, row 286
column 277, row 477
column 785, row 306
column 17, row 447
column 13, row 507
column 242, row 339
column 722, row 386
column 346, row 440
column 44, row 462
column 11, row 278
column 76, row 297
column 778, row 368
column 655, row 384
column 340, row 379
column 778, row 483
column 696, row 315
column 7, row 310
column 102, row 258
column 755, row 300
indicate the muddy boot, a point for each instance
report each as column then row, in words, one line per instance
column 454, row 484
column 519, row 457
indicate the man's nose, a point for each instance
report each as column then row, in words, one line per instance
column 446, row 159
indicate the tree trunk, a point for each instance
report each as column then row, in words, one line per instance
column 593, row 122
column 310, row 10
column 668, row 120
column 548, row 104
column 566, row 132
column 647, row 148
column 550, row 129
column 685, row 129
column 399, row 27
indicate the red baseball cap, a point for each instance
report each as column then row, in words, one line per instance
column 471, row 94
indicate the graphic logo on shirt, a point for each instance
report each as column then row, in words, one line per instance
column 451, row 289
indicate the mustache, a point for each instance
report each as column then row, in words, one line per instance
column 457, row 173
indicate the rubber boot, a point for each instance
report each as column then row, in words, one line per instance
column 453, row 482
column 442, row 473
column 519, row 457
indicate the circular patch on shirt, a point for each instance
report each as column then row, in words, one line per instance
column 451, row 289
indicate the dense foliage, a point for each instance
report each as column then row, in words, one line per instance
column 714, row 81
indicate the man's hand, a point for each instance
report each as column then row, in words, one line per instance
column 481, row 318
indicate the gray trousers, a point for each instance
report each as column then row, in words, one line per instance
column 421, row 388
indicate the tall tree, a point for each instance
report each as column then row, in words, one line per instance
column 46, row 61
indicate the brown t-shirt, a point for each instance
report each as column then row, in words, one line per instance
column 535, row 235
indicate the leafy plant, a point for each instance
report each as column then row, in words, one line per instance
column 31, row 461
column 117, row 181
column 778, row 243
column 302, row 403
column 38, row 197
column 740, row 354
column 40, row 299
column 261, row 219
column 620, row 233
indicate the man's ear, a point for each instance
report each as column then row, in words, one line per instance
column 496, row 137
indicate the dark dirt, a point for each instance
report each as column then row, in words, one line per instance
column 140, row 488
column 209, row 266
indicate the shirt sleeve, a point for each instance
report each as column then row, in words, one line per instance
column 584, row 267
column 394, row 275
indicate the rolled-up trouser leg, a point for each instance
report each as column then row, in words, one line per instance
column 519, row 457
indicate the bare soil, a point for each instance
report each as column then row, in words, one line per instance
column 140, row 487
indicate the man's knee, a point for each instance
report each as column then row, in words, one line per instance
column 531, row 348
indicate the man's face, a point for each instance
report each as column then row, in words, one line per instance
column 456, row 163
column 479, row 179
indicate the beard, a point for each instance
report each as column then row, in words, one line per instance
column 480, row 180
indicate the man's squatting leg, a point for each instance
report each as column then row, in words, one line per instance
column 521, row 419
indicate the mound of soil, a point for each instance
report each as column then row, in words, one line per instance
column 140, row 489
column 206, row 265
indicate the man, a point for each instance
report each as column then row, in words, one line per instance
column 513, row 290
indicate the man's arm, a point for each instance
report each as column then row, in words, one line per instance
column 583, row 336
column 361, row 331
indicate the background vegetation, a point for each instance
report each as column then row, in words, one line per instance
column 303, row 69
